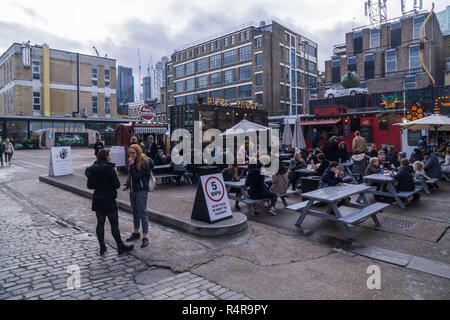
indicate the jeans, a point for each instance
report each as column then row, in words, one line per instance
column 139, row 207
column 113, row 218
column 7, row 158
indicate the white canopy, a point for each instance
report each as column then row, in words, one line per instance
column 244, row 126
column 298, row 139
column 435, row 122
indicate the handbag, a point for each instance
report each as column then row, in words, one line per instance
column 151, row 183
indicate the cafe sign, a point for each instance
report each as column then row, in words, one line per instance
column 227, row 103
column 147, row 112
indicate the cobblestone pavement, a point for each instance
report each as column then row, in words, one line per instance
column 37, row 250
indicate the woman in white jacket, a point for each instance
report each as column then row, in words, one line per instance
column 8, row 150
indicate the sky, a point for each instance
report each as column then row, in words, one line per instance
column 118, row 28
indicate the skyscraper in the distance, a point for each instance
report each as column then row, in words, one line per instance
column 125, row 85
column 147, row 87
column 158, row 75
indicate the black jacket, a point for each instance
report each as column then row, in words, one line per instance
column 323, row 166
column 256, row 186
column 102, row 177
column 432, row 167
column 329, row 178
column 405, row 177
column 2, row 147
column 138, row 179
column 98, row 147
column 151, row 150
column 331, row 150
column 344, row 154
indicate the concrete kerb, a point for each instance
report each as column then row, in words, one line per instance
column 224, row 228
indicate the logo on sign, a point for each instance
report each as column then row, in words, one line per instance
column 147, row 112
column 63, row 153
column 214, row 189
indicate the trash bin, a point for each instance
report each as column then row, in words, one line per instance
column 310, row 183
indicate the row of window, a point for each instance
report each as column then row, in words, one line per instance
column 294, row 94
column 215, row 61
column 241, row 92
column 299, row 62
column 7, row 73
column 297, row 77
column 214, row 45
column 37, row 103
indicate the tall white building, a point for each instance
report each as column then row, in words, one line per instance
column 158, row 75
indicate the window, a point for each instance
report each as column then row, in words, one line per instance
column 391, row 62
column 211, row 46
column 229, row 57
column 281, row 72
column 247, row 35
column 259, row 98
column 299, row 80
column 286, row 37
column 312, row 51
column 287, row 74
column 107, row 105
column 258, row 42
column 258, row 59
column 94, row 76
column 190, row 99
column 245, row 73
column 232, row 40
column 170, row 95
column 357, row 42
column 192, row 53
column 187, row 54
column 374, row 39
column 197, row 51
column 179, row 86
column 300, row 97
column 281, row 91
column 190, row 68
column 169, row 80
column 179, row 71
column 202, row 82
column 281, row 53
column 163, row 100
column 245, row 91
column 241, row 37
column 369, row 66
column 297, row 61
column 107, row 78
column 190, row 84
column 179, row 101
column 217, row 44
column 201, row 65
column 258, row 79
column 410, row 82
column 302, row 63
column 287, row 93
column 169, row 68
column 311, row 66
column 287, row 55
column 229, row 94
column 244, row 53
column 225, row 42
column 336, row 71
column 215, row 78
column 215, row 94
column 36, row 101
column 94, row 105
column 229, row 76
column 417, row 23
column 215, row 61
column 351, row 64
column 414, row 60
column 312, row 81
column 396, row 34
column 204, row 48
column 36, row 69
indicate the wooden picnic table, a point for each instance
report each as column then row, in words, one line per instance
column 332, row 196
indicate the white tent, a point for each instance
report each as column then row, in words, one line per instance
column 287, row 134
column 244, row 126
column 435, row 122
column 298, row 139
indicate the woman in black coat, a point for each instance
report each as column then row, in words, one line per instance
column 102, row 177
column 98, row 146
column 331, row 149
column 344, row 155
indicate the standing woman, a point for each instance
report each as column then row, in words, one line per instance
column 98, row 146
column 137, row 182
column 103, row 179
column 344, row 155
column 8, row 150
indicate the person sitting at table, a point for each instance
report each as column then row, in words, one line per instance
column 161, row 159
column 179, row 170
column 322, row 165
column 231, row 174
column 312, row 157
column 416, row 155
column 373, row 151
column 344, row 155
column 280, row 181
column 360, row 162
column 432, row 166
column 393, row 156
column 257, row 189
column 332, row 176
column 384, row 164
column 373, row 167
column 420, row 177
column 296, row 163
column 405, row 179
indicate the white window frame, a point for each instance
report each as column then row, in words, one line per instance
column 94, row 78
column 418, row 58
column 107, row 79
column 390, row 73
column 107, row 105
column 35, row 104
column 377, row 47
column 96, row 107
column 410, row 83
column 37, row 72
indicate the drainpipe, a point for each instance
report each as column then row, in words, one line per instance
column 78, row 83
column 422, row 46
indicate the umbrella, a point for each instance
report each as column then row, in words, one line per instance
column 298, row 139
column 287, row 134
column 244, row 126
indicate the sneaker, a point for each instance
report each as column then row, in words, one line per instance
column 134, row 236
column 124, row 248
column 273, row 212
column 144, row 242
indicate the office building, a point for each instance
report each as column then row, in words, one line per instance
column 158, row 74
column 125, row 85
column 147, row 87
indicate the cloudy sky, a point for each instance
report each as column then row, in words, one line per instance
column 118, row 28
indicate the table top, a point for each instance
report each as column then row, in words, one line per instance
column 305, row 171
column 241, row 183
column 165, row 166
column 333, row 194
column 379, row 177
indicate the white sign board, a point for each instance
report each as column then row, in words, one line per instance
column 118, row 156
column 60, row 161
column 216, row 197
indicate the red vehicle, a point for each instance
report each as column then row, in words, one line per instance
column 374, row 126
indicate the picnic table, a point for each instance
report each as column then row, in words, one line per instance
column 163, row 172
column 332, row 196
column 348, row 171
column 384, row 181
column 162, row 167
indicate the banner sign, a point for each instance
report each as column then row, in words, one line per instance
column 60, row 162
column 72, row 139
column 211, row 200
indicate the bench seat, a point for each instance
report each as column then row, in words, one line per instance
column 407, row 194
column 159, row 176
column 301, row 205
column 361, row 215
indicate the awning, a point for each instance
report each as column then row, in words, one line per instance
column 320, row 122
column 150, row 130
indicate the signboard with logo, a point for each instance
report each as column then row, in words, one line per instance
column 211, row 200
column 147, row 112
column 72, row 139
column 60, row 162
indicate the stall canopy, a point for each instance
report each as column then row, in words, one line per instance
column 435, row 122
column 298, row 139
column 287, row 134
column 244, row 126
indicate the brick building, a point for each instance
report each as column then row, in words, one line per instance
column 386, row 57
column 39, row 81
column 265, row 63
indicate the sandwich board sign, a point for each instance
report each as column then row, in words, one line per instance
column 211, row 200
column 60, row 162
column 118, row 156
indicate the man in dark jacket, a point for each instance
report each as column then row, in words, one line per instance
column 151, row 148
column 404, row 176
column 331, row 149
column 432, row 167
column 102, row 177
column 332, row 176
column 257, row 189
